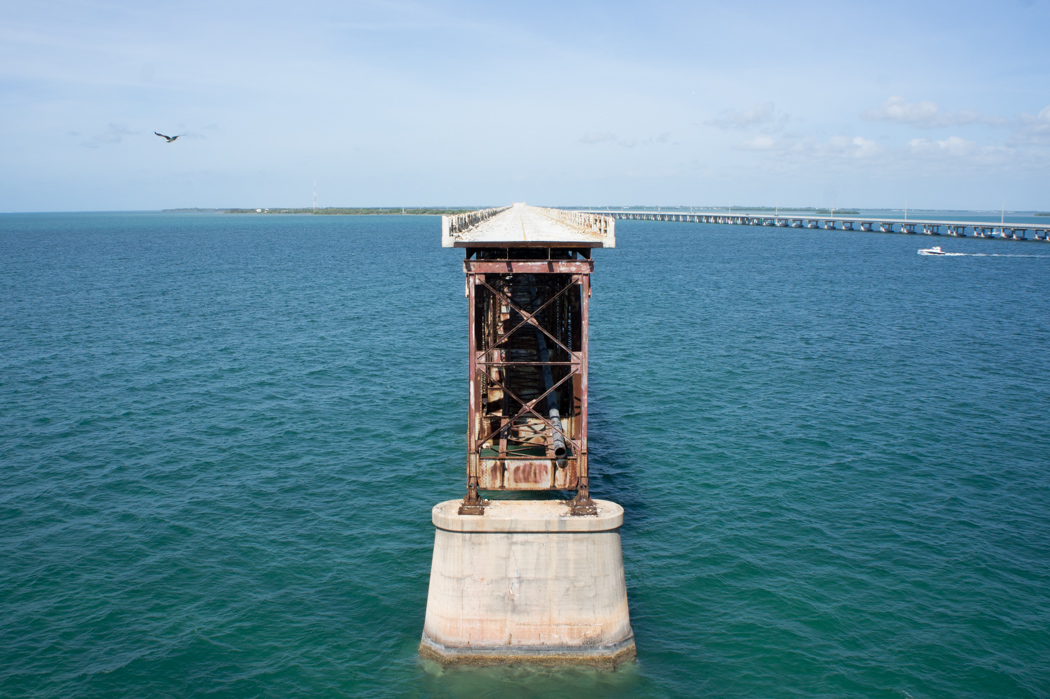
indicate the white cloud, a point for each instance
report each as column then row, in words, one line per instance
column 1032, row 130
column 760, row 115
column 856, row 147
column 926, row 115
column 952, row 146
column 959, row 150
column 835, row 148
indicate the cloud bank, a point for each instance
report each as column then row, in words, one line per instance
column 926, row 115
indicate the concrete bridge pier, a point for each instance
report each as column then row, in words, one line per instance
column 527, row 582
column 886, row 227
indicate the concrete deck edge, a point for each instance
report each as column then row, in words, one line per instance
column 609, row 656
column 527, row 516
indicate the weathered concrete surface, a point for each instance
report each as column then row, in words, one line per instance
column 526, row 582
column 527, row 225
column 526, row 516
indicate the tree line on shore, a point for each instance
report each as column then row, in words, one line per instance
column 351, row 211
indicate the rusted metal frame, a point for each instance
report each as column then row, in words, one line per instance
column 585, row 307
column 520, row 441
column 527, row 317
column 504, row 409
column 504, row 363
column 518, row 457
column 529, row 407
column 503, row 253
column 504, row 422
column 579, row 266
column 472, row 503
column 511, row 441
column 582, row 503
column 509, row 245
column 530, row 317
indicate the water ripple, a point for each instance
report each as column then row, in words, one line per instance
column 220, row 438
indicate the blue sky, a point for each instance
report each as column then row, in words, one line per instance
column 937, row 104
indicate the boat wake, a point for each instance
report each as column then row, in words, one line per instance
column 936, row 251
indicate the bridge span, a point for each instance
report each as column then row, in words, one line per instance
column 962, row 229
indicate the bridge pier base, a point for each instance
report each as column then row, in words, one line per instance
column 526, row 582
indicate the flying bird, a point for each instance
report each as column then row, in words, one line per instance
column 170, row 139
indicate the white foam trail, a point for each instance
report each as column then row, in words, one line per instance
column 981, row 254
column 978, row 254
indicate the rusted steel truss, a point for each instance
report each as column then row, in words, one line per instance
column 527, row 427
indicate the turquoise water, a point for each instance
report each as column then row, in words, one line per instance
column 221, row 436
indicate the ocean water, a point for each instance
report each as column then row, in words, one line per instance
column 221, row 437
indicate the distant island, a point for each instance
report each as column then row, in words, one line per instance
column 438, row 211
column 352, row 211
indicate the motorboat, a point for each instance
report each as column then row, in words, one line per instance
column 936, row 250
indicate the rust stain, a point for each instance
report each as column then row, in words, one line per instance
column 531, row 472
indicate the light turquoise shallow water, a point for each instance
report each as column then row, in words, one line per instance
column 221, row 436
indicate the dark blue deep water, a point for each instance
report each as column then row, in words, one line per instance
column 221, row 437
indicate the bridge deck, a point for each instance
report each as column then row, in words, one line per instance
column 528, row 226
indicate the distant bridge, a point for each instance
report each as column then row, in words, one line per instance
column 962, row 229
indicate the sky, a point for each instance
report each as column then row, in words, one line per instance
column 940, row 105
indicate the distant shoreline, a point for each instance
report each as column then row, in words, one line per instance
column 335, row 211
column 438, row 211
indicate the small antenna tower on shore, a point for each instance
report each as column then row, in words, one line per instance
column 315, row 195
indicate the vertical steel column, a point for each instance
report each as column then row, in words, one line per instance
column 582, row 503
column 472, row 503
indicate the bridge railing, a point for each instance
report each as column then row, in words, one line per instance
column 454, row 226
column 602, row 226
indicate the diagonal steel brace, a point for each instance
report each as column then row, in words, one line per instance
column 528, row 407
column 526, row 316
